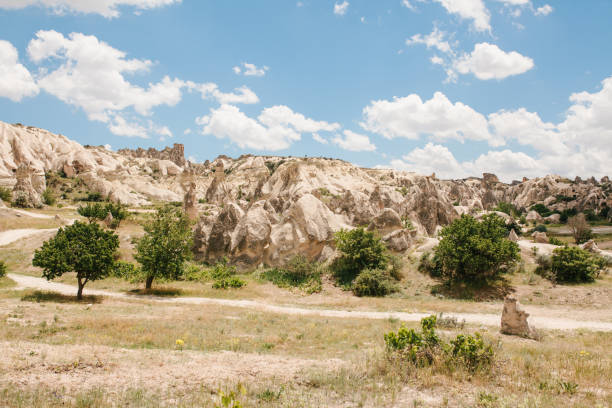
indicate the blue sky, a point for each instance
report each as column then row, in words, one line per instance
column 455, row 87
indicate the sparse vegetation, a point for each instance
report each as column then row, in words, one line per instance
column 5, row 194
column 580, row 229
column 48, row 197
column 575, row 265
column 298, row 272
column 507, row 208
column 3, row 269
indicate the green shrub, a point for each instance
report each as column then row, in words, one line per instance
column 575, row 265
column 541, row 209
column 5, row 194
column 21, row 201
column 99, row 211
column 475, row 252
column 566, row 214
column 471, row 352
column 555, row 241
column 430, row 264
column 523, row 220
column 360, row 250
column 229, row 282
column 373, row 282
column 126, row 270
column 297, row 272
column 95, row 211
column 540, row 228
column 507, row 208
column 2, row 269
column 95, row 196
column 48, row 197
column 426, row 348
column 194, row 273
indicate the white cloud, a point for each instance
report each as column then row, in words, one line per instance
column 121, row 127
column 250, row 70
column 544, row 10
column 474, row 10
column 435, row 39
column 106, row 8
column 16, row 82
column 108, row 147
column 488, row 61
column 438, row 117
column 91, row 76
column 354, row 142
column 340, row 9
column 276, row 128
column 317, row 138
column 241, row 95
column 407, row 4
column 187, row 131
column 439, row 160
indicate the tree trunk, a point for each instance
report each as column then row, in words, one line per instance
column 80, row 291
column 149, row 282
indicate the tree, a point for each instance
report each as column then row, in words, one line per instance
column 580, row 228
column 360, row 250
column 573, row 264
column 84, row 248
column 475, row 251
column 166, row 245
column 2, row 269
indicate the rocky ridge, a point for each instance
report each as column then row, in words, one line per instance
column 264, row 209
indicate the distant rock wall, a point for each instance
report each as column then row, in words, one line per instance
column 175, row 154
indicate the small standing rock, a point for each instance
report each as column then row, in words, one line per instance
column 514, row 319
column 108, row 220
column 512, row 236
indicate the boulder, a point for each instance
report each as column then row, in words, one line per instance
column 553, row 218
column 512, row 236
column 398, row 240
column 540, row 237
column 69, row 170
column 388, row 220
column 591, row 246
column 514, row 319
column 108, row 221
column 533, row 216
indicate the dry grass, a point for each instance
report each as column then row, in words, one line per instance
column 564, row 369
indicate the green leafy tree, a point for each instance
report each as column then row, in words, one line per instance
column 84, row 248
column 166, row 245
column 360, row 250
column 575, row 265
column 2, row 269
column 472, row 251
column 5, row 194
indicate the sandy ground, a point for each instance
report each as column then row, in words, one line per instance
column 79, row 367
column 32, row 214
column 539, row 317
column 547, row 249
column 8, row 237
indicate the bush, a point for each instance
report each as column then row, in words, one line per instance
column 99, row 211
column 298, row 272
column 92, row 211
column 373, row 282
column 229, row 282
column 581, row 231
column 360, row 250
column 48, row 197
column 475, row 252
column 566, row 214
column 540, row 228
column 21, row 201
column 95, row 196
column 541, row 209
column 575, row 265
column 555, row 241
column 5, row 194
column 126, row 270
column 507, row 208
column 430, row 264
column 2, row 269
column 425, row 348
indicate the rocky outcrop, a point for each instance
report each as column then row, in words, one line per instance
column 514, row 319
column 591, row 246
column 29, row 186
column 512, row 236
column 540, row 238
column 175, row 154
column 190, row 202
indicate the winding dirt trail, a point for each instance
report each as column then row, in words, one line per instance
column 538, row 319
column 10, row 236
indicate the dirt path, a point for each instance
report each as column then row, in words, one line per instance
column 33, row 214
column 10, row 236
column 538, row 319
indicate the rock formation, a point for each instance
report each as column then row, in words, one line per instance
column 540, row 237
column 29, row 186
column 591, row 246
column 512, row 236
column 514, row 319
column 190, row 202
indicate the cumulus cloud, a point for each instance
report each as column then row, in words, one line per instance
column 354, row 142
column 317, row 138
column 247, row 69
column 488, row 61
column 474, row 10
column 276, row 128
column 435, row 39
column 91, row 76
column 211, row 91
column 121, row 127
column 410, row 117
column 16, row 82
column 340, row 9
column 578, row 145
column 407, row 4
column 106, row 8
column 544, row 10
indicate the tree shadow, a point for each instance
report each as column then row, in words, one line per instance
column 482, row 291
column 54, row 297
column 162, row 292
